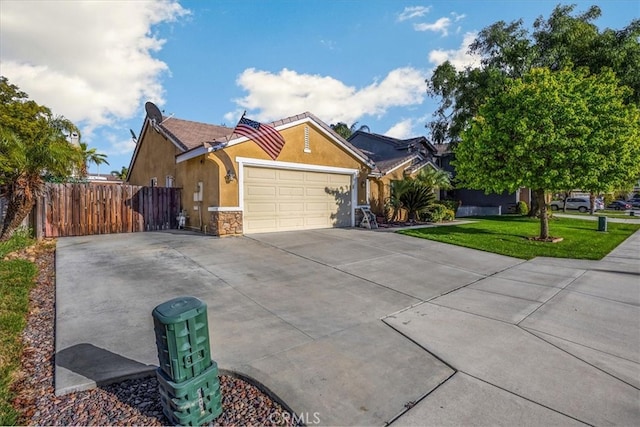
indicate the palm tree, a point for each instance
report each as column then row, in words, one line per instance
column 417, row 198
column 122, row 174
column 437, row 178
column 363, row 128
column 23, row 164
column 410, row 194
column 346, row 131
column 90, row 155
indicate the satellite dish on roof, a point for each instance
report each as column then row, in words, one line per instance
column 153, row 112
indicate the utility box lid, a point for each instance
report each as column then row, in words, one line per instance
column 178, row 310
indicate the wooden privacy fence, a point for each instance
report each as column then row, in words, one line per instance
column 84, row 209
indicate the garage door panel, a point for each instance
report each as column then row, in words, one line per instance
column 290, row 208
column 320, row 192
column 283, row 200
column 339, row 179
column 287, row 175
column 261, row 208
column 261, row 174
column 291, row 191
column 315, row 207
column 290, row 223
column 314, row 177
column 261, row 190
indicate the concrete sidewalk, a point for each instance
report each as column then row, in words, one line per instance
column 300, row 313
column 629, row 220
column 547, row 342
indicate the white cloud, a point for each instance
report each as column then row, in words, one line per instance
column 460, row 58
column 401, row 130
column 89, row 61
column 273, row 96
column 410, row 12
column 118, row 145
column 458, row 16
column 441, row 25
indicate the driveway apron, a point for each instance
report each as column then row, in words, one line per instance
column 346, row 323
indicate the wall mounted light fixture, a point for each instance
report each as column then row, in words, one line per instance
column 230, row 176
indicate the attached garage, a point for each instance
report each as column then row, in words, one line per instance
column 280, row 199
column 295, row 173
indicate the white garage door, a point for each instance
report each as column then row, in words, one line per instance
column 282, row 200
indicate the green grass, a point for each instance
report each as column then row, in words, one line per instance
column 508, row 235
column 16, row 280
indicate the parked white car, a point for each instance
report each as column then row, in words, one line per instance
column 576, row 203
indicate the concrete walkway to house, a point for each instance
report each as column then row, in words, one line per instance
column 365, row 328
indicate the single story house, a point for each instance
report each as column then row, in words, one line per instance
column 230, row 185
column 474, row 202
column 394, row 159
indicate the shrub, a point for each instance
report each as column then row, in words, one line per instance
column 523, row 208
column 439, row 212
column 450, row 204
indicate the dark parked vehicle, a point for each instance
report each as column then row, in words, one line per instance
column 635, row 203
column 619, row 205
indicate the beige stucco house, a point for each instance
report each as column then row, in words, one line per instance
column 232, row 186
column 394, row 159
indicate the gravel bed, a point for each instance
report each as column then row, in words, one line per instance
column 130, row 402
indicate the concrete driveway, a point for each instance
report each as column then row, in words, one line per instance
column 366, row 328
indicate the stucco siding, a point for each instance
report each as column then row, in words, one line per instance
column 155, row 159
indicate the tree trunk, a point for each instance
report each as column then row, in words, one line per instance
column 544, row 220
column 535, row 208
column 592, row 202
column 17, row 210
column 564, row 202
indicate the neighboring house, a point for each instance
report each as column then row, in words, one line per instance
column 103, row 178
column 231, row 186
column 394, row 159
column 478, row 198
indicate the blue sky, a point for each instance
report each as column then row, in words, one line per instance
column 98, row 62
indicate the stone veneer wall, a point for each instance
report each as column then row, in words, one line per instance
column 225, row 223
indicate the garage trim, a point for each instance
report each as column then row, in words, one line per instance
column 247, row 161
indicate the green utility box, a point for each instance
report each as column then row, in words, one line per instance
column 193, row 402
column 182, row 338
column 602, row 223
column 187, row 377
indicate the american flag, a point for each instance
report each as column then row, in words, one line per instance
column 267, row 137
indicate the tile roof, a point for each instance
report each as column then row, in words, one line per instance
column 191, row 134
column 389, row 153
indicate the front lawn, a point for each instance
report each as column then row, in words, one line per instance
column 508, row 235
column 16, row 279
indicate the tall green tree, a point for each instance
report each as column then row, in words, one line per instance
column 32, row 142
column 509, row 50
column 550, row 131
column 90, row 155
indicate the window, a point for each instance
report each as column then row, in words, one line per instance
column 154, row 182
column 168, row 182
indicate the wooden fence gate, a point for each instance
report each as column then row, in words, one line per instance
column 84, row 209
